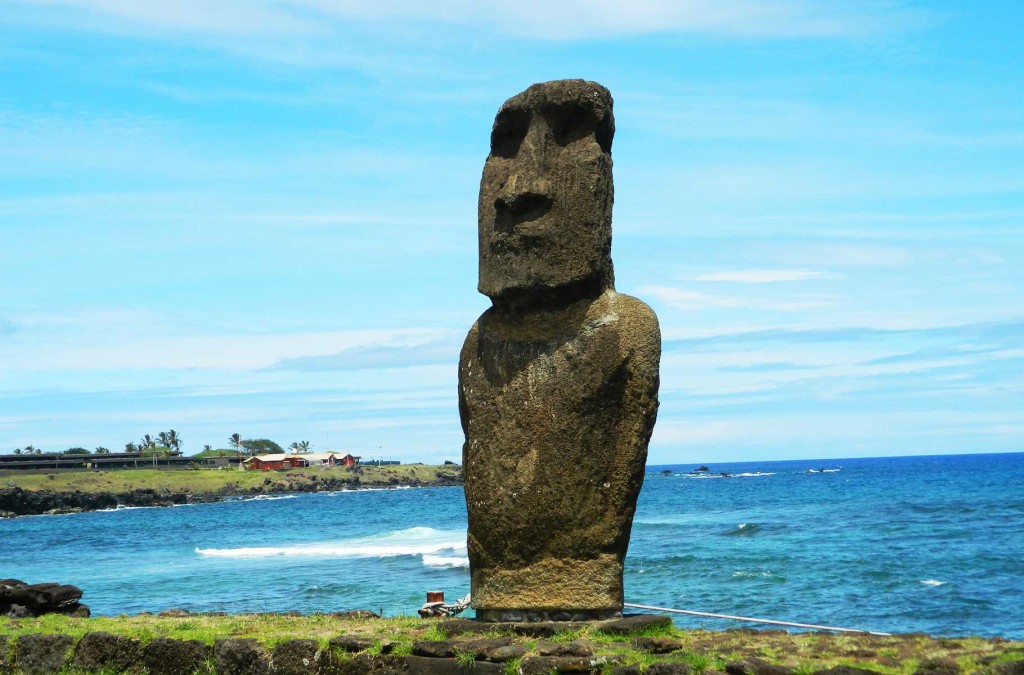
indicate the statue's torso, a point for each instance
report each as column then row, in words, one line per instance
column 558, row 408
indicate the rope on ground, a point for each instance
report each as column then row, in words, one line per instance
column 753, row 620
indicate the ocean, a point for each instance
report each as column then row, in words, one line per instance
column 907, row 544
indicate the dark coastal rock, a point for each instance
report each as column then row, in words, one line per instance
column 574, row 648
column 421, row 665
column 558, row 380
column 657, row 668
column 16, row 501
column 543, row 665
column 350, row 644
column 355, row 614
column 440, row 649
column 944, row 666
column 240, row 656
column 166, row 656
column 484, row 648
column 755, row 666
column 42, row 654
column 845, row 670
column 1010, row 668
column 360, row 664
column 6, row 665
column 502, row 654
column 657, row 645
column 635, row 623
column 295, row 657
column 99, row 652
column 21, row 600
column 36, row 502
column 175, row 611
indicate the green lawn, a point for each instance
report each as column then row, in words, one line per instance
column 218, row 480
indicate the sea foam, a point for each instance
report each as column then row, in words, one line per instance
column 412, row 541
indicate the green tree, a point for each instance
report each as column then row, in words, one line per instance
column 76, row 451
column 207, row 448
column 147, row 443
column 101, row 451
column 261, row 446
column 131, row 447
column 163, row 439
column 17, row 451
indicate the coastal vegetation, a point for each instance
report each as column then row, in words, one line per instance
column 25, row 493
column 597, row 647
column 227, row 480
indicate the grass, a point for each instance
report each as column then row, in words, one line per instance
column 434, row 634
column 702, row 650
column 465, row 659
column 219, row 481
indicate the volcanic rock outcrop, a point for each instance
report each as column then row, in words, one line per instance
column 19, row 600
column 558, row 380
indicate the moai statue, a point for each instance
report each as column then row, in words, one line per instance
column 558, row 380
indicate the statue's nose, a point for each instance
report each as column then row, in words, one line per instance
column 521, row 201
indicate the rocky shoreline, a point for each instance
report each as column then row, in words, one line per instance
column 15, row 501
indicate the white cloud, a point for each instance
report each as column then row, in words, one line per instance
column 112, row 351
column 760, row 276
column 688, row 301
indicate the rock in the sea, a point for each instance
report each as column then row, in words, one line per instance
column 558, row 380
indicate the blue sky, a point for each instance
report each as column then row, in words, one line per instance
column 260, row 217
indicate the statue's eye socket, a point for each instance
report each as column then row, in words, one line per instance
column 509, row 130
column 569, row 122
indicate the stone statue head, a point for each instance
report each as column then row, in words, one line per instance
column 545, row 211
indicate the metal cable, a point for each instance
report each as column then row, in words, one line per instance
column 753, row 620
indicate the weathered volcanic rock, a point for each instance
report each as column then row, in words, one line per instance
column 558, row 380
column 106, row 652
column 20, row 600
column 241, row 656
column 295, row 657
column 166, row 656
column 42, row 654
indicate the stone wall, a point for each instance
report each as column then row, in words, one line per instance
column 466, row 652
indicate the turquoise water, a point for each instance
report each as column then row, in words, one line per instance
column 932, row 544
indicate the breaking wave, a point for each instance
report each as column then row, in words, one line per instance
column 445, row 561
column 421, row 541
column 744, row 530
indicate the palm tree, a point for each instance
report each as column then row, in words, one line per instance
column 147, row 443
column 102, row 451
column 299, row 446
column 174, row 440
column 31, row 450
column 236, row 440
column 17, row 451
column 207, row 448
column 163, row 439
column 131, row 447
